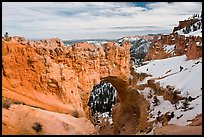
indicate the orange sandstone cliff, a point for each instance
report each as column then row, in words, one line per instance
column 47, row 82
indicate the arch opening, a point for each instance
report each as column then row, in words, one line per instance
column 102, row 100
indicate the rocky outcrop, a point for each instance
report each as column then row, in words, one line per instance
column 59, row 79
column 168, row 93
column 185, row 23
column 194, row 51
column 54, row 42
column 197, row 121
column 182, row 41
column 39, row 43
column 165, row 46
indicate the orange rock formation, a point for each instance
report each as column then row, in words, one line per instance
column 191, row 46
column 50, row 76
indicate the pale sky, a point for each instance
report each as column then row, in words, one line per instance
column 93, row 20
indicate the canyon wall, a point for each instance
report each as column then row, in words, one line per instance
column 165, row 46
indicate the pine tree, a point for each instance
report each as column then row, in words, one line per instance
column 188, row 29
column 194, row 27
column 184, row 31
column 186, row 102
column 156, row 101
column 6, row 36
column 199, row 24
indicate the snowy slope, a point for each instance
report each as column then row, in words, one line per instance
column 188, row 81
column 198, row 32
column 195, row 29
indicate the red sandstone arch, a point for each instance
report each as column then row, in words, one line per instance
column 61, row 80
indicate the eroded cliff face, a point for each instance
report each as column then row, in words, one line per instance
column 185, row 23
column 165, row 46
column 50, row 76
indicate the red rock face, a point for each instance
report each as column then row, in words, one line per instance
column 179, row 44
column 46, row 42
column 54, row 67
column 185, row 23
column 195, row 50
column 56, row 78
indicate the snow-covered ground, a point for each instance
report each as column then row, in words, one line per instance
column 198, row 32
column 97, row 42
column 188, row 81
column 192, row 33
column 195, row 29
column 169, row 48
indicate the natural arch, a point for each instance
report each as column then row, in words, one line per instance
column 119, row 84
column 67, row 75
column 129, row 113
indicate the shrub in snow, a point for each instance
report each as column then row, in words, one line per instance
column 150, row 94
column 169, row 116
column 155, row 101
column 185, row 104
column 191, row 98
column 175, row 98
column 181, row 68
column 170, row 88
column 179, row 116
column 158, row 116
column 194, row 28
